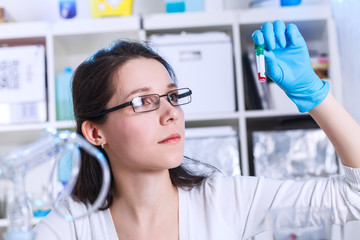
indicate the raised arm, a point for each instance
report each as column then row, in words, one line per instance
column 342, row 130
column 288, row 64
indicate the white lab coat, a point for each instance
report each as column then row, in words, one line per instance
column 224, row 207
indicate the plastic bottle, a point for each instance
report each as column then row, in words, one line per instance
column 67, row 8
column 64, row 104
column 290, row 2
column 64, row 168
column 173, row 6
column 194, row 5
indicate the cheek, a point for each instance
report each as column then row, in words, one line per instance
column 128, row 136
column 133, row 133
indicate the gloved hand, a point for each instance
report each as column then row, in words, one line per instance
column 288, row 64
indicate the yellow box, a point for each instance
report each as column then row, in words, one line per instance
column 104, row 8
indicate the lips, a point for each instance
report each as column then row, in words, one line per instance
column 173, row 138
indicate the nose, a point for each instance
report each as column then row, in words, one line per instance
column 168, row 112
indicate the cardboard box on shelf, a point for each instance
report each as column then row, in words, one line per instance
column 22, row 84
column 204, row 63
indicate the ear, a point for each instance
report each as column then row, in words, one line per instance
column 92, row 133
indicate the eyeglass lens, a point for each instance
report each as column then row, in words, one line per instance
column 152, row 102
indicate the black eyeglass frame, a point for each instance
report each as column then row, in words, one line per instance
column 130, row 103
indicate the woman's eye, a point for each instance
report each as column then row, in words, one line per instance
column 174, row 97
column 146, row 100
column 151, row 99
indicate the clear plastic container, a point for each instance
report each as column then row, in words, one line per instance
column 64, row 104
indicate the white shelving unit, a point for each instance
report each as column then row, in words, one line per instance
column 70, row 42
column 316, row 25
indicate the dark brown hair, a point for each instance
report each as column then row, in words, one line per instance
column 92, row 89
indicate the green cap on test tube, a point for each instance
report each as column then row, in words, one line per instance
column 259, row 50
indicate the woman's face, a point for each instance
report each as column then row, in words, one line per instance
column 149, row 141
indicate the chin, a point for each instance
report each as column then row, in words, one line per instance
column 175, row 161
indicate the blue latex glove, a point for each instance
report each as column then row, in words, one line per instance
column 288, row 64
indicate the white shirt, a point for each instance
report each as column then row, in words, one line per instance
column 223, row 207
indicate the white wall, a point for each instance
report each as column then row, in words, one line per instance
column 346, row 13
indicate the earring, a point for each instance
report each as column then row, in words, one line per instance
column 102, row 145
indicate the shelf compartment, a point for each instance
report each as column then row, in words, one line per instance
column 295, row 13
column 270, row 113
column 211, row 117
column 70, row 50
column 65, row 125
column 165, row 21
column 24, row 30
column 23, row 127
column 14, row 137
column 96, row 26
column 207, row 120
column 274, row 123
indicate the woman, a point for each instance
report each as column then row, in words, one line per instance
column 142, row 134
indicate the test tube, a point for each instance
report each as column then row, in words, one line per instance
column 260, row 62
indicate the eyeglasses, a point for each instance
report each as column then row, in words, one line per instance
column 151, row 102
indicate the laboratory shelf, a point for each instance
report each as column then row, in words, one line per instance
column 212, row 119
column 294, row 13
column 91, row 26
column 211, row 116
column 24, row 30
column 64, row 124
column 69, row 42
column 23, row 127
column 31, row 129
column 164, row 21
column 270, row 113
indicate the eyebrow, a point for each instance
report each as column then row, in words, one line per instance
column 147, row 89
column 172, row 85
column 139, row 90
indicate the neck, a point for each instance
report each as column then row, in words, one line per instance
column 145, row 198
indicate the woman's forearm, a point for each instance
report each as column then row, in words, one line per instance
column 342, row 130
